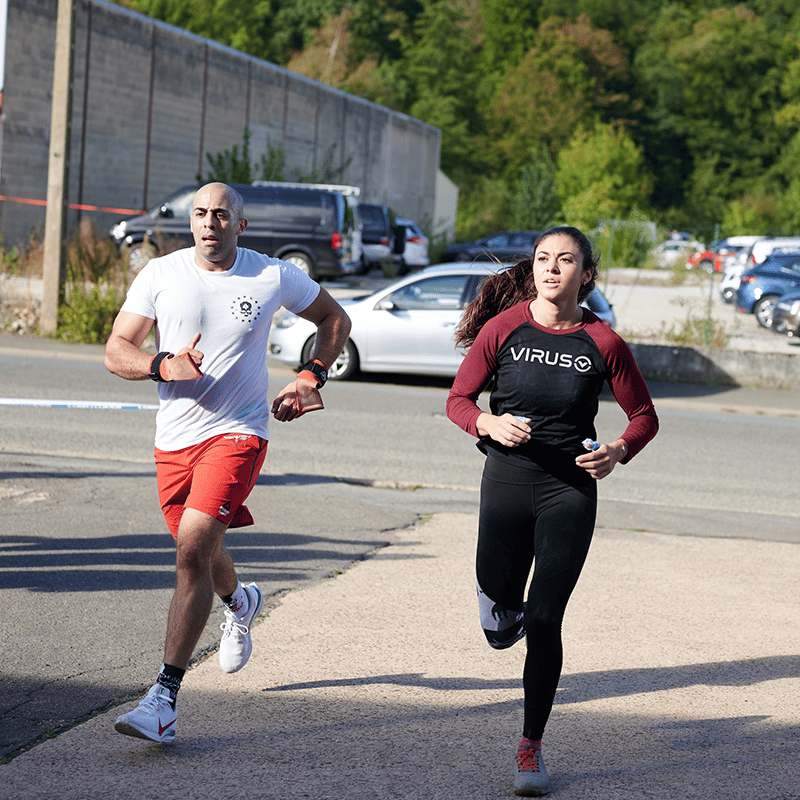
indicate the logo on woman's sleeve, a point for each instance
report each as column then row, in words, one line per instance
column 245, row 309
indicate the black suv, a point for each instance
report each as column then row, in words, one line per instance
column 381, row 238
column 312, row 228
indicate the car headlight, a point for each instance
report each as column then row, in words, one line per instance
column 286, row 320
column 118, row 231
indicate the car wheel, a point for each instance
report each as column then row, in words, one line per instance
column 763, row 310
column 302, row 262
column 707, row 266
column 344, row 368
column 138, row 254
column 728, row 295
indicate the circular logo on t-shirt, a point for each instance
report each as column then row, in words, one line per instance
column 583, row 363
column 245, row 309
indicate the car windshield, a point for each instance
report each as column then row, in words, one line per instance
column 179, row 203
column 439, row 292
column 498, row 240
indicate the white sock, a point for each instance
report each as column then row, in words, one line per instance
column 239, row 602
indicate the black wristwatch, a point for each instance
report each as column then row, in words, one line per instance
column 318, row 370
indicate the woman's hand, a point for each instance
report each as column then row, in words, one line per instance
column 506, row 429
column 601, row 462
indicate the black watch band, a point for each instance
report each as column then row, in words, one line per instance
column 318, row 370
column 155, row 367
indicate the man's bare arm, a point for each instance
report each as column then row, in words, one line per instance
column 333, row 327
column 125, row 357
column 124, row 354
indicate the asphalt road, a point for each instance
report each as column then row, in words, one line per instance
column 86, row 570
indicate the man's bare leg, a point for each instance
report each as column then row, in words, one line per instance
column 201, row 565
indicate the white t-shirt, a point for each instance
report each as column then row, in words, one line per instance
column 233, row 312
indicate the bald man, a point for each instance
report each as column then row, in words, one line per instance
column 210, row 307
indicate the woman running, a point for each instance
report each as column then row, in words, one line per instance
column 547, row 359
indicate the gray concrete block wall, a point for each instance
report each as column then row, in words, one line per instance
column 176, row 116
column 150, row 100
column 30, row 41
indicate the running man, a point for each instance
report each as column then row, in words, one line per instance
column 210, row 307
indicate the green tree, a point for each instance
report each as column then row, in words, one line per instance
column 535, row 205
column 754, row 213
column 439, row 65
column 509, row 32
column 572, row 78
column 601, row 176
column 484, row 207
column 269, row 29
column 711, row 85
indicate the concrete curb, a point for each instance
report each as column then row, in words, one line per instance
column 671, row 363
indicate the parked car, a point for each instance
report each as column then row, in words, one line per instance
column 734, row 265
column 705, row 260
column 674, row 251
column 786, row 314
column 379, row 236
column 311, row 228
column 719, row 254
column 506, row 246
column 415, row 250
column 761, row 286
column 351, row 197
column 766, row 246
column 732, row 278
column 406, row 327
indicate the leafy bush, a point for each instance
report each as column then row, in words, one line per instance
column 97, row 279
column 699, row 332
column 229, row 166
column 23, row 261
column 88, row 313
column 625, row 243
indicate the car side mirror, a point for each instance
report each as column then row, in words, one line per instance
column 387, row 305
column 165, row 211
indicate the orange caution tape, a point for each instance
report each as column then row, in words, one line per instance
column 129, row 211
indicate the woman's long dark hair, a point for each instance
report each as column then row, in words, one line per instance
column 515, row 284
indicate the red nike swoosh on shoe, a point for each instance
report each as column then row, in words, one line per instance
column 161, row 730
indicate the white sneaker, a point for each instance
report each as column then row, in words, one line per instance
column 236, row 645
column 154, row 718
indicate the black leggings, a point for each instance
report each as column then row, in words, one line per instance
column 529, row 517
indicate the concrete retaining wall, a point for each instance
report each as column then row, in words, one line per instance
column 150, row 100
column 725, row 367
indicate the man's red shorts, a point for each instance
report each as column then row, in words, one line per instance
column 214, row 477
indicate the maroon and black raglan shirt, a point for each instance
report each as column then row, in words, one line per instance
column 554, row 378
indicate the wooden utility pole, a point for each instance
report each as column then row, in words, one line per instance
column 55, row 225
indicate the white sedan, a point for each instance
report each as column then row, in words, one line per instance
column 406, row 327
